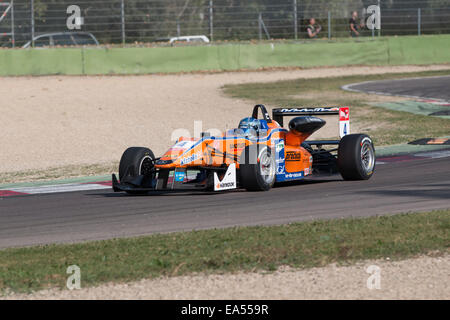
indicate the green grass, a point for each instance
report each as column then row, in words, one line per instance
column 384, row 126
column 303, row 245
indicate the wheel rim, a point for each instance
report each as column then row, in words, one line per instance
column 146, row 166
column 266, row 166
column 367, row 157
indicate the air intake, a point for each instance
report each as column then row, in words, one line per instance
column 306, row 124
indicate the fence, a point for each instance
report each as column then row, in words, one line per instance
column 130, row 21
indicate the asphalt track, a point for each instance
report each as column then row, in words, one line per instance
column 422, row 184
column 426, row 88
column 78, row 216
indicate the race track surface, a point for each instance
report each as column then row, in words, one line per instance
column 428, row 87
column 77, row 216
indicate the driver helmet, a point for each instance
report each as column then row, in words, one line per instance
column 250, row 125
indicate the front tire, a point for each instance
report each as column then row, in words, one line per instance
column 136, row 161
column 257, row 168
column 356, row 157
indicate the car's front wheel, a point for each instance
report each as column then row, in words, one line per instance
column 136, row 161
column 257, row 168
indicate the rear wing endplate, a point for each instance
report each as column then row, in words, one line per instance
column 342, row 112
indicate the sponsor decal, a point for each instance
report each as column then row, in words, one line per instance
column 279, row 151
column 225, row 185
column 183, row 145
column 190, row 159
column 173, row 154
column 306, row 171
column 179, row 176
column 280, row 169
column 344, row 114
column 344, row 129
column 294, row 175
column 322, row 109
column 293, row 156
column 228, row 181
column 344, row 121
column 279, row 146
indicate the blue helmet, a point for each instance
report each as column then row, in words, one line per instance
column 251, row 125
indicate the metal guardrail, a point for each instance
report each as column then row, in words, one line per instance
column 131, row 21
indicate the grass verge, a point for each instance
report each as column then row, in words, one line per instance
column 386, row 127
column 299, row 245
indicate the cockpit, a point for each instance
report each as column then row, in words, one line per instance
column 251, row 127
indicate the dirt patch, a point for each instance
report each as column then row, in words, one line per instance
column 58, row 121
column 420, row 278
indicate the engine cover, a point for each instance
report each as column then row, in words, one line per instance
column 306, row 125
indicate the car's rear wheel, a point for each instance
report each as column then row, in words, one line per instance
column 136, row 161
column 257, row 168
column 356, row 157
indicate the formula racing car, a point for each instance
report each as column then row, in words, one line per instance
column 255, row 155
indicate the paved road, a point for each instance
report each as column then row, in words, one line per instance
column 429, row 87
column 77, row 216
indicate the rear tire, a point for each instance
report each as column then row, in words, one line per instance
column 356, row 157
column 136, row 161
column 257, row 168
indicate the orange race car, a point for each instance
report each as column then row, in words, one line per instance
column 255, row 155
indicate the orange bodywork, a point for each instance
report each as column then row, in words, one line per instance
column 225, row 149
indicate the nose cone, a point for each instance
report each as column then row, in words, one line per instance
column 183, row 154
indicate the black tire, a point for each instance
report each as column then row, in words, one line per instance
column 356, row 157
column 251, row 176
column 134, row 163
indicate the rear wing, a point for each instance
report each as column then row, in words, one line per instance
column 342, row 112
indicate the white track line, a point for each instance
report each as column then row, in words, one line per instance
column 60, row 188
column 67, row 187
column 435, row 154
